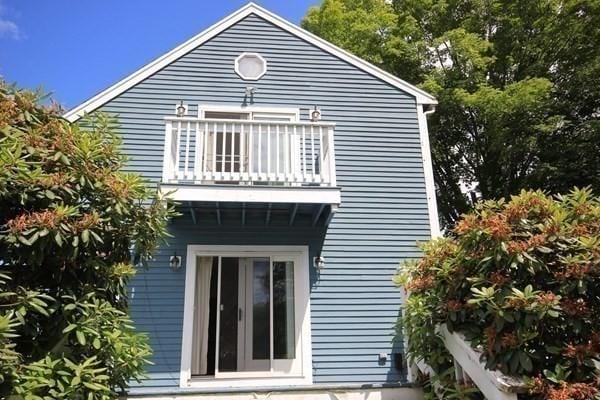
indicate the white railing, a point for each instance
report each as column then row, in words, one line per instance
column 248, row 152
column 468, row 368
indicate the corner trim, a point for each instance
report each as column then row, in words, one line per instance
column 432, row 210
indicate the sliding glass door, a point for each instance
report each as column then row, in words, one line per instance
column 256, row 327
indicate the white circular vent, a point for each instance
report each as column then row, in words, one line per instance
column 250, row 66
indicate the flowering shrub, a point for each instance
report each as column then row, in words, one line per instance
column 71, row 223
column 521, row 280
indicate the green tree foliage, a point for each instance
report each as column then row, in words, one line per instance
column 516, row 80
column 70, row 226
column 521, row 280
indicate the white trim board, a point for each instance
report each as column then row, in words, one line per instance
column 432, row 210
column 254, row 194
column 148, row 70
column 377, row 393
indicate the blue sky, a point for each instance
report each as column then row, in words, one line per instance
column 74, row 49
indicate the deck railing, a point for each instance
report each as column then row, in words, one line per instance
column 469, row 369
column 247, row 152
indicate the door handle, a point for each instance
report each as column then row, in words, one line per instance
column 239, row 314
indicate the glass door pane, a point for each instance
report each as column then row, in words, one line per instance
column 258, row 315
column 228, row 325
column 283, row 310
column 260, row 310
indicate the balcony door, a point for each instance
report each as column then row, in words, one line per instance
column 255, row 149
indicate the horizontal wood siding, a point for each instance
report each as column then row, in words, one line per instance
column 379, row 167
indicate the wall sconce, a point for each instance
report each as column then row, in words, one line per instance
column 315, row 115
column 175, row 262
column 319, row 262
column 181, row 109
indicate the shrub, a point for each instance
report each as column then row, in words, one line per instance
column 521, row 280
column 70, row 225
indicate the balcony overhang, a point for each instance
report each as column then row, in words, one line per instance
column 182, row 192
column 251, row 205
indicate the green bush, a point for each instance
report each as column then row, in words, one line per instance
column 70, row 226
column 521, row 280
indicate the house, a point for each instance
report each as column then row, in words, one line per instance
column 303, row 176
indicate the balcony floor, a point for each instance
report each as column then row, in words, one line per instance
column 254, row 194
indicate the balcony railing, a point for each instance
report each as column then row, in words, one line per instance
column 245, row 152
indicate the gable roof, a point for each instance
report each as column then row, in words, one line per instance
column 105, row 96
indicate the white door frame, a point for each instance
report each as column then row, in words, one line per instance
column 298, row 254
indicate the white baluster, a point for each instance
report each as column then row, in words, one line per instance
column 242, row 147
column 251, row 152
column 223, row 145
column 259, row 151
column 277, row 152
column 214, row 153
column 232, row 147
column 205, row 153
column 295, row 154
column 303, row 153
column 286, row 154
column 320, row 153
column 312, row 150
column 269, row 171
column 187, row 152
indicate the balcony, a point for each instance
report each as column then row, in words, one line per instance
column 250, row 161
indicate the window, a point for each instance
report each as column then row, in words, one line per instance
column 250, row 66
column 249, row 316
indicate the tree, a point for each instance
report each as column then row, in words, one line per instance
column 516, row 82
column 71, row 224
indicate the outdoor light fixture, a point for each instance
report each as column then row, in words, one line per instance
column 181, row 109
column 175, row 262
column 315, row 115
column 319, row 262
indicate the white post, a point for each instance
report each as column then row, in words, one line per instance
column 331, row 153
column 177, row 152
column 168, row 154
column 198, row 162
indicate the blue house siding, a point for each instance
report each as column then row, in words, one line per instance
column 354, row 304
column 158, row 292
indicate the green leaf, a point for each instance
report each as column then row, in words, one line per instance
column 58, row 239
column 70, row 327
column 525, row 361
column 80, row 337
column 85, row 236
